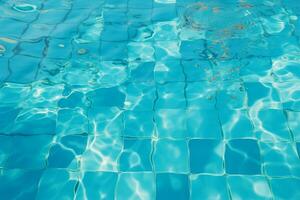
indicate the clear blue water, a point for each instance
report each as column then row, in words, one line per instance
column 150, row 99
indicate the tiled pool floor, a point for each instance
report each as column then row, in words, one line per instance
column 150, row 99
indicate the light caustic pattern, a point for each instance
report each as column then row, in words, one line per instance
column 152, row 99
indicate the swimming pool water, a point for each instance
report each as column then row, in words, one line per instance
column 150, row 99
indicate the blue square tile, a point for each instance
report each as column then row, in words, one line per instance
column 141, row 51
column 126, row 190
column 107, row 97
column 59, row 49
column 59, row 157
column 252, row 69
column 23, row 69
column 257, row 91
column 111, row 73
column 65, row 182
column 197, row 70
column 292, row 185
column 203, row 123
column 72, row 121
column 64, row 153
column 227, row 70
column 171, row 123
column 236, row 124
column 167, row 50
column 140, row 96
column 120, row 33
column 171, row 95
column 136, row 155
column 252, row 187
column 232, row 96
column 34, row 49
column 201, row 95
column 142, row 71
column 97, row 185
column 24, row 181
column 165, row 13
column 192, row 49
column 171, row 156
column 28, row 156
column 166, row 31
column 13, row 28
column 113, row 51
column 272, row 125
column 208, row 187
column 206, row 156
column 169, row 71
column 138, row 123
column 172, row 186
column 273, row 155
column 105, row 121
column 102, row 154
column 242, row 156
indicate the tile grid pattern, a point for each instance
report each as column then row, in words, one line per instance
column 131, row 112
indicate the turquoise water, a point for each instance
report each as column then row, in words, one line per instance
column 150, row 99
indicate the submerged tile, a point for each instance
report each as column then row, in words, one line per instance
column 107, row 97
column 171, row 156
column 208, row 187
column 280, row 159
column 65, row 184
column 135, row 186
column 23, row 69
column 253, row 187
column 97, row 185
column 171, row 123
column 206, row 156
column 292, row 184
column 242, row 156
column 27, row 155
column 173, row 186
column 152, row 99
column 26, row 182
column 102, row 154
column 138, row 123
column 136, row 155
column 204, row 123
